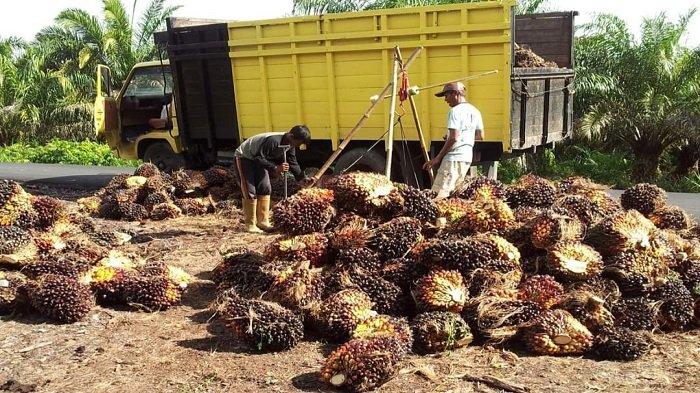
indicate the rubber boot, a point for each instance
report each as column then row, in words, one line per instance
column 263, row 213
column 249, row 206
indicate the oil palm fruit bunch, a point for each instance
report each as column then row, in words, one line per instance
column 452, row 209
column 531, row 190
column 147, row 169
column 48, row 210
column 588, row 309
column 188, row 183
column 556, row 332
column 573, row 261
column 366, row 193
column 358, row 257
column 131, row 211
column 387, row 297
column 264, row 326
column 156, row 198
column 625, row 230
column 485, row 213
column 312, row 247
column 670, row 217
column 246, row 271
column 575, row 184
column 158, row 183
column 385, row 326
column 471, row 185
column 644, row 197
column 550, row 228
column 90, row 204
column 297, row 287
column 339, row 314
column 58, row 266
column 689, row 271
column 118, row 182
column 440, row 290
column 543, row 290
column 165, row 211
column 497, row 319
column 679, row 249
column 635, row 313
column 417, row 204
column 393, row 239
column 194, row 206
column 176, row 275
column 636, row 270
column 14, row 202
column 400, row 271
column 438, row 331
column 109, row 283
column 580, row 207
column 675, row 307
column 309, row 210
column 151, row 294
column 351, row 233
column 363, row 364
column 12, row 294
column 484, row 251
column 622, row 344
column 216, row 176
column 16, row 245
column 60, row 298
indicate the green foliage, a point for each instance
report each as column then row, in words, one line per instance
column 64, row 152
column 316, row 7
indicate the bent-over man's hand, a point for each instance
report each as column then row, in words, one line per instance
column 281, row 168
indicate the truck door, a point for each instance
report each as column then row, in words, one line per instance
column 105, row 112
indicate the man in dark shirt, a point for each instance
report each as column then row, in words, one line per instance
column 259, row 158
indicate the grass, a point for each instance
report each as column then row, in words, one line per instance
column 63, row 152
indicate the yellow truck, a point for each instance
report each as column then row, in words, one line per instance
column 226, row 81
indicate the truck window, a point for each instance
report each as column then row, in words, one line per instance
column 148, row 82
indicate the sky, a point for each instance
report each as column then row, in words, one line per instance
column 25, row 18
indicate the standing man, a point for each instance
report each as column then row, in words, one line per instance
column 259, row 158
column 464, row 126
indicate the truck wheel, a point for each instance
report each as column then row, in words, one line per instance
column 163, row 156
column 372, row 161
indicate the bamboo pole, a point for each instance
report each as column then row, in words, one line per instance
column 392, row 115
column 421, row 137
column 362, row 121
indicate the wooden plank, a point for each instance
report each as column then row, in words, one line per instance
column 539, row 24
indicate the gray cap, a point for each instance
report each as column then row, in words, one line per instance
column 454, row 86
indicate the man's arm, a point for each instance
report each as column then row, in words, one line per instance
column 479, row 134
column 267, row 150
column 452, row 137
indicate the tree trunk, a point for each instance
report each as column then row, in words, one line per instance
column 647, row 167
column 688, row 157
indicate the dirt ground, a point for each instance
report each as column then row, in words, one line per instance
column 179, row 350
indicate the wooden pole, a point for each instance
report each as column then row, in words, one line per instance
column 392, row 115
column 421, row 137
column 362, row 121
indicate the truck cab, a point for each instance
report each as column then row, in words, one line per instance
column 139, row 121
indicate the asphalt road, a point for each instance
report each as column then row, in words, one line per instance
column 94, row 177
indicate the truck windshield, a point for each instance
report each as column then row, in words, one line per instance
column 148, row 81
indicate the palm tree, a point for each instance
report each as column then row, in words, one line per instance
column 315, row 7
column 638, row 94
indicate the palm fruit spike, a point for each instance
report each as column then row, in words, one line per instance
column 675, row 307
column 626, row 230
column 60, row 298
column 11, row 291
column 634, row 313
column 485, row 213
column 385, row 326
column 438, row 331
column 297, row 287
column 264, row 326
column 394, row 238
column 216, row 176
column 312, row 248
column 588, row 309
column 531, row 190
column 620, row 344
column 14, row 202
column 440, row 290
column 601, row 287
column 309, row 210
column 472, row 184
column 59, row 267
column 556, row 332
column 352, row 233
column 340, row 314
column 151, row 294
column 496, row 319
column 147, row 169
column 109, row 284
column 634, row 271
column 671, row 217
column 452, row 209
column 16, row 245
column 550, row 228
column 573, row 261
column 644, row 198
column 543, row 290
column 580, row 207
column 165, row 211
column 362, row 365
column 363, row 192
column 485, row 282
column 417, row 204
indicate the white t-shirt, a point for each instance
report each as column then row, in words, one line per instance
column 466, row 119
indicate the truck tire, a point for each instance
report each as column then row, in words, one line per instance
column 372, row 161
column 163, row 156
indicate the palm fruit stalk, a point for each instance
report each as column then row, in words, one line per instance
column 620, row 344
column 312, row 247
column 339, row 315
column 62, row 299
column 438, row 331
column 573, row 261
column 394, row 238
column 440, row 290
column 309, row 210
column 363, row 364
column 556, row 332
column 644, row 198
column 550, row 228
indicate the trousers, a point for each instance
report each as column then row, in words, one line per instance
column 255, row 180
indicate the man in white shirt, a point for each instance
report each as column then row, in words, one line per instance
column 464, row 126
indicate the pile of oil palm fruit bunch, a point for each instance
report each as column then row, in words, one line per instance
column 552, row 268
column 60, row 264
column 150, row 193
